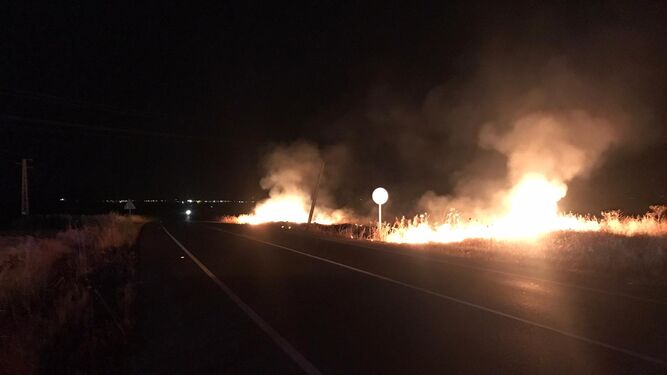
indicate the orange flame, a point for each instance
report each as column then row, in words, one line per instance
column 528, row 211
column 531, row 211
column 292, row 208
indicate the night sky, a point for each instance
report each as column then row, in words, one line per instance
column 154, row 100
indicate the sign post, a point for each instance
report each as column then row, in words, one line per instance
column 129, row 206
column 380, row 196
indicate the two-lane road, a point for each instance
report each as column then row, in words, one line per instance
column 266, row 300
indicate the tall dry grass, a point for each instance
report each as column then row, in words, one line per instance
column 628, row 248
column 49, row 287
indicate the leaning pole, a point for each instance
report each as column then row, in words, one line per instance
column 313, row 196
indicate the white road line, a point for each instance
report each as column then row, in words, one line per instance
column 462, row 302
column 294, row 354
column 486, row 269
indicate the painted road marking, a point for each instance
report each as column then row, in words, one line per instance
column 294, row 354
column 462, row 302
column 476, row 268
column 486, row 269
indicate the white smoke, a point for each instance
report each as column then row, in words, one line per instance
column 555, row 146
column 291, row 176
column 559, row 146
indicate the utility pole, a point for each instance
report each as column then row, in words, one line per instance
column 25, row 202
column 313, row 197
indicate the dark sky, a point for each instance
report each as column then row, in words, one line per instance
column 156, row 100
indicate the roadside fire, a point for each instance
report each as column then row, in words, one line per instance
column 542, row 153
column 532, row 212
column 289, row 208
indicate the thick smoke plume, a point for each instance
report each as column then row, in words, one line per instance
column 292, row 170
column 470, row 140
column 507, row 109
column 291, row 175
column 557, row 147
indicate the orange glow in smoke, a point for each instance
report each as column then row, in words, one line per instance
column 528, row 210
column 292, row 208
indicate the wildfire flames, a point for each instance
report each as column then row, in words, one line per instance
column 542, row 152
column 291, row 208
column 530, row 210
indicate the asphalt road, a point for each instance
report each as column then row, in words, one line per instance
column 264, row 300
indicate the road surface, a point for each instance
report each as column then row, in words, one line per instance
column 232, row 299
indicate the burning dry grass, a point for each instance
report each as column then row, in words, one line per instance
column 627, row 248
column 653, row 223
column 633, row 248
column 50, row 287
column 526, row 227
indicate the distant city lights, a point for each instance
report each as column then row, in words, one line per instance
column 176, row 200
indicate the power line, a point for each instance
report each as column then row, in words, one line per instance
column 104, row 129
column 78, row 103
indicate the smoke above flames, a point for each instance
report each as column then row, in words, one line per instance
column 558, row 146
column 554, row 147
column 485, row 164
column 512, row 126
column 292, row 171
column 543, row 152
column 491, row 147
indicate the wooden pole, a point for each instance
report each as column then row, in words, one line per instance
column 313, row 197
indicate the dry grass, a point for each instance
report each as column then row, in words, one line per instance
column 631, row 248
column 654, row 222
column 49, row 286
column 627, row 248
column 637, row 259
